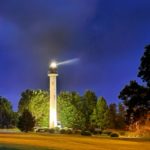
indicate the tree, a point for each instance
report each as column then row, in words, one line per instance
column 6, row 113
column 120, row 118
column 26, row 121
column 37, row 102
column 89, row 100
column 112, row 115
column 69, row 110
column 136, row 98
column 101, row 114
column 144, row 69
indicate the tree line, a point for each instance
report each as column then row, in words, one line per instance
column 82, row 112
column 89, row 112
column 74, row 111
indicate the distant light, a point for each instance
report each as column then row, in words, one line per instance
column 53, row 65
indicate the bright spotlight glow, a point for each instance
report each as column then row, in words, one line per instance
column 53, row 65
column 70, row 61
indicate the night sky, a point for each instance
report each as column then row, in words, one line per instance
column 108, row 36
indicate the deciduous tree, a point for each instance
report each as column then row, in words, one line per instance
column 89, row 101
column 101, row 114
column 144, row 69
column 6, row 113
column 136, row 98
column 37, row 102
column 69, row 112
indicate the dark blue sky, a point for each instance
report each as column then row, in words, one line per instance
column 108, row 36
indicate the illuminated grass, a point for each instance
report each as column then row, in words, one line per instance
column 69, row 142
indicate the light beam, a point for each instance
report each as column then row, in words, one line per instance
column 70, row 61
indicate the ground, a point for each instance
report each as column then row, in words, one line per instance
column 20, row 141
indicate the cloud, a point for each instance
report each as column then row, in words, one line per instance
column 48, row 26
column 34, row 31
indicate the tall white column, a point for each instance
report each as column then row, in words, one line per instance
column 53, row 100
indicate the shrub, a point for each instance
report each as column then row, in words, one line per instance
column 52, row 130
column 77, row 131
column 86, row 133
column 114, row 135
column 69, row 131
column 97, row 132
column 62, row 131
column 46, row 130
column 57, row 129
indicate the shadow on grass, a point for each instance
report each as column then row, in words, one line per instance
column 21, row 147
column 6, row 148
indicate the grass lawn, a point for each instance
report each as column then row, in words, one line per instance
column 21, row 141
column 21, row 147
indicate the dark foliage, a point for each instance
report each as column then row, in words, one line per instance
column 95, row 132
column 86, row 133
column 62, row 131
column 77, row 132
column 112, row 116
column 52, row 130
column 26, row 121
column 7, row 117
column 114, row 135
column 136, row 98
column 69, row 131
column 120, row 118
column 144, row 69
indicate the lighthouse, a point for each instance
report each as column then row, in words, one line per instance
column 53, row 95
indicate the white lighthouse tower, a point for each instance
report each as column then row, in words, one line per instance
column 53, row 95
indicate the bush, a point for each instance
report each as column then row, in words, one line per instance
column 52, row 130
column 86, row 133
column 97, row 132
column 69, row 131
column 77, row 131
column 114, row 135
column 46, row 130
column 57, row 129
column 62, row 131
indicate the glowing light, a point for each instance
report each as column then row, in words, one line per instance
column 69, row 61
column 53, row 65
